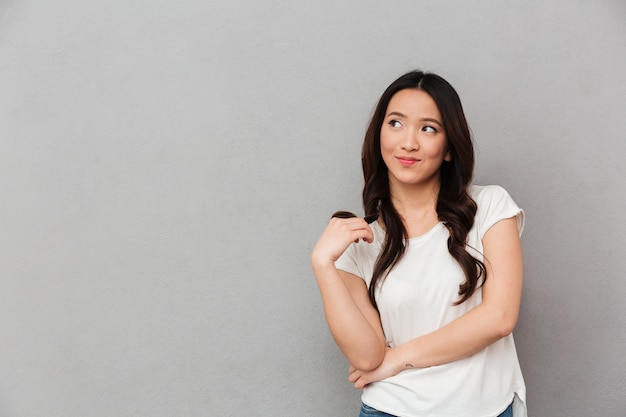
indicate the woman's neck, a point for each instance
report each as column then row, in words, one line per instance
column 417, row 206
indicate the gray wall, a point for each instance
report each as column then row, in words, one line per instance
column 166, row 168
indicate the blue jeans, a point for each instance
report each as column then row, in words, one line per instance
column 367, row 411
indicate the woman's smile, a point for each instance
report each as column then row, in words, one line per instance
column 407, row 161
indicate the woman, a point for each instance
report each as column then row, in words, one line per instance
column 423, row 299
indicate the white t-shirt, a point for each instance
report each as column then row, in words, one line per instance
column 416, row 298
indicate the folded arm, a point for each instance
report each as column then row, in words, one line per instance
column 490, row 321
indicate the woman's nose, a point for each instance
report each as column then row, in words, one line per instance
column 410, row 141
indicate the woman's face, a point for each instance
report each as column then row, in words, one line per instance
column 412, row 140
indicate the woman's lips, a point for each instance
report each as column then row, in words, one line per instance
column 407, row 161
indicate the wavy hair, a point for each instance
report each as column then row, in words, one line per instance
column 455, row 208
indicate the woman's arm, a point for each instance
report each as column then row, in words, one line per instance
column 353, row 321
column 490, row 321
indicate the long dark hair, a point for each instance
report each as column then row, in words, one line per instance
column 455, row 208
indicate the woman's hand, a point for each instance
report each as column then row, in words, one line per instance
column 336, row 238
column 390, row 366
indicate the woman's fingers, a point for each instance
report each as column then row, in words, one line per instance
column 354, row 376
column 356, row 227
column 358, row 379
column 337, row 236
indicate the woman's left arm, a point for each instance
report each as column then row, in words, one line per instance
column 490, row 321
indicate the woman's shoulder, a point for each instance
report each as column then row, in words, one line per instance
column 494, row 203
column 486, row 192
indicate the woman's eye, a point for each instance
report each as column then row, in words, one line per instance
column 395, row 123
column 429, row 129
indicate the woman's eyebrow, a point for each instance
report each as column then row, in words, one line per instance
column 396, row 113
column 423, row 119
column 428, row 119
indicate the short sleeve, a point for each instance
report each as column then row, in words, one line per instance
column 360, row 257
column 495, row 204
column 348, row 261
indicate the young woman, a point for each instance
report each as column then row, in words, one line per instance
column 423, row 293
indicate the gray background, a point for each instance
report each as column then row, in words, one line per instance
column 166, row 168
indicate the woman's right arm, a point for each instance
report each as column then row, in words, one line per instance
column 353, row 321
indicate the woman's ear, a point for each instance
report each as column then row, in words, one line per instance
column 448, row 156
